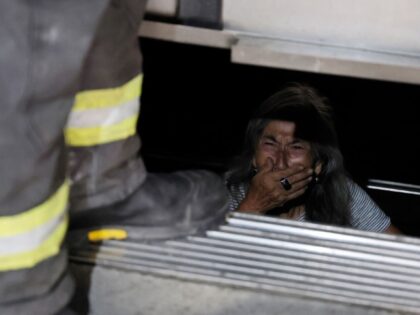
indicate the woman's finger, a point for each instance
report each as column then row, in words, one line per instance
column 296, row 194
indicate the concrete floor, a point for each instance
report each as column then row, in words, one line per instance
column 108, row 291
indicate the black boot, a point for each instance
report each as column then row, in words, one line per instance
column 165, row 206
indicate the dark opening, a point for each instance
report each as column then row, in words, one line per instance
column 196, row 104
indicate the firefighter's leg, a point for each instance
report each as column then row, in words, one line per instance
column 42, row 46
column 109, row 182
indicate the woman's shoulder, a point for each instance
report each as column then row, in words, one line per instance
column 365, row 214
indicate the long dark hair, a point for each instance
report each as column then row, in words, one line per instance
column 328, row 199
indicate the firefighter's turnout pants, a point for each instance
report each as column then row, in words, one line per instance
column 70, row 82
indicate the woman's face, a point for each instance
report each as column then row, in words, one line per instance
column 278, row 143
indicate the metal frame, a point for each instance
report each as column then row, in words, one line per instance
column 281, row 256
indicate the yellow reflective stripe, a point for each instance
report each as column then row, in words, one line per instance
column 107, row 234
column 103, row 116
column 48, row 248
column 39, row 215
column 103, row 134
column 109, row 97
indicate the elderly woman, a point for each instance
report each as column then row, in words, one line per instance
column 291, row 166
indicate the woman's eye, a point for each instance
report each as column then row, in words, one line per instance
column 297, row 148
column 269, row 143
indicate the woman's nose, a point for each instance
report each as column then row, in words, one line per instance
column 280, row 161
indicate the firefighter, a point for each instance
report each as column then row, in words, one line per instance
column 70, row 84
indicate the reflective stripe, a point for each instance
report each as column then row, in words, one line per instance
column 30, row 237
column 37, row 216
column 30, row 240
column 100, row 135
column 109, row 97
column 48, row 248
column 102, row 116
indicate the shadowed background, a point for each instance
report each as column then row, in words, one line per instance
column 196, row 104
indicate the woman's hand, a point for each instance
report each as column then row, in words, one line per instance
column 266, row 192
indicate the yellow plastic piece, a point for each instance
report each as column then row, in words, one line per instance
column 107, row 234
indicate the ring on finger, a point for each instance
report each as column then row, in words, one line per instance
column 285, row 183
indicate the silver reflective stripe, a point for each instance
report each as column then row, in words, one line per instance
column 105, row 116
column 30, row 240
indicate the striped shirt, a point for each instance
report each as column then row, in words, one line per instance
column 365, row 214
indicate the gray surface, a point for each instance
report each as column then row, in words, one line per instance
column 326, row 59
column 114, row 291
column 162, row 7
column 186, row 34
column 375, row 25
